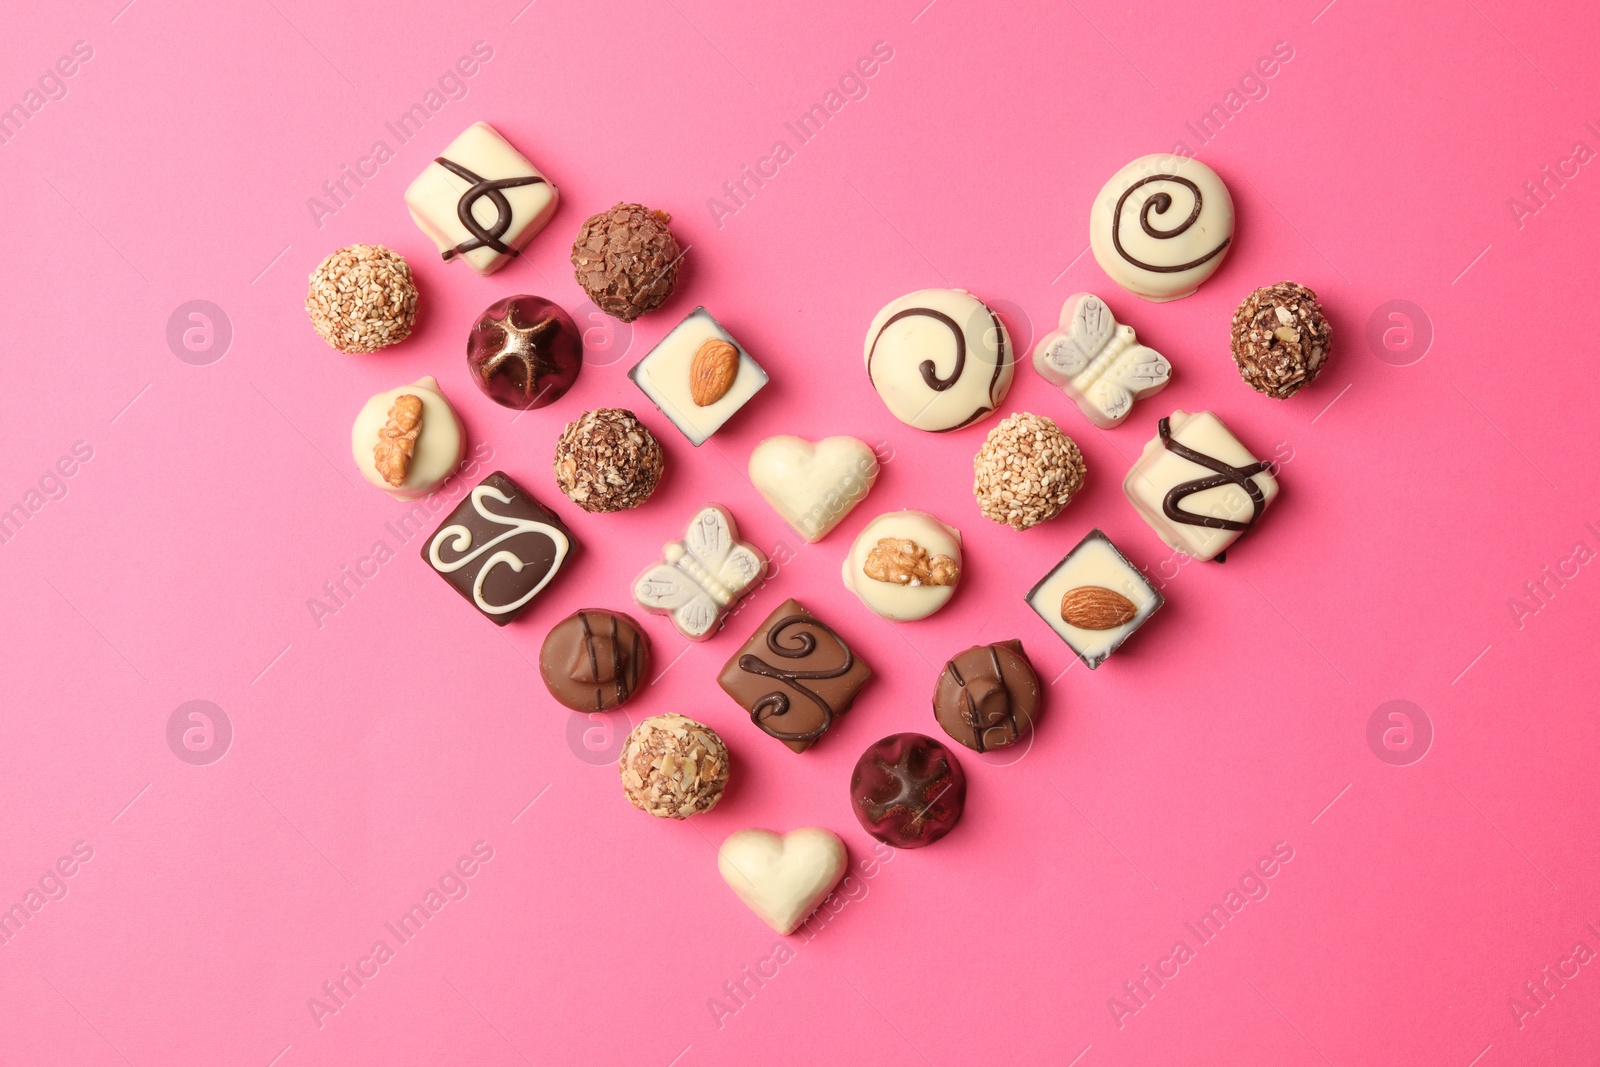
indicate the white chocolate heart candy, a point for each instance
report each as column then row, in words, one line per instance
column 383, row 432
column 941, row 359
column 782, row 878
column 904, row 565
column 1098, row 362
column 813, row 486
column 1161, row 226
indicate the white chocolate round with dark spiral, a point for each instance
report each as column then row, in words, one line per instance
column 941, row 359
column 1161, row 226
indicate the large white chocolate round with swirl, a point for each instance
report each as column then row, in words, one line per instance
column 941, row 359
column 904, row 565
column 1161, row 226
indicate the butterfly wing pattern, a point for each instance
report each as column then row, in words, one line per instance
column 702, row 576
column 1098, row 362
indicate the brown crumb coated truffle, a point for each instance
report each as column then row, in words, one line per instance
column 362, row 298
column 607, row 461
column 626, row 260
column 1280, row 339
column 1026, row 471
column 673, row 767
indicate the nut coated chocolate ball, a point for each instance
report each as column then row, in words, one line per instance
column 908, row 790
column 1280, row 339
column 524, row 352
column 673, row 767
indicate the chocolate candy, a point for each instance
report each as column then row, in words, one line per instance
column 699, row 376
column 941, row 359
column 362, row 298
column 813, row 486
column 607, row 460
column 1280, row 339
column 1026, row 471
column 988, row 696
column 481, row 200
column 1197, row 486
column 499, row 548
column 701, row 577
column 794, row 676
column 524, row 352
column 1098, row 362
column 1094, row 599
column 908, row 790
column 407, row 441
column 904, row 565
column 626, row 260
column 673, row 767
column 1161, row 226
column 782, row 879
column 594, row 660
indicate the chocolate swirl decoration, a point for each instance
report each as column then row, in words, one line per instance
column 484, row 187
column 1226, row 475
column 929, row 372
column 1161, row 202
column 794, row 646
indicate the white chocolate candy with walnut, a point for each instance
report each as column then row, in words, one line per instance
column 407, row 441
column 941, row 359
column 904, row 565
column 813, row 486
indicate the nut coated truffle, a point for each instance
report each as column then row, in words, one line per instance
column 1026, row 471
column 608, row 461
column 626, row 260
column 362, row 298
column 1280, row 339
column 673, row 767
column 908, row 790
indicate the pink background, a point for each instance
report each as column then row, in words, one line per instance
column 372, row 752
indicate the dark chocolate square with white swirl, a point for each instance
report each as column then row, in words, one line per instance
column 795, row 676
column 499, row 548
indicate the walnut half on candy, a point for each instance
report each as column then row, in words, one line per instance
column 397, row 441
column 901, row 561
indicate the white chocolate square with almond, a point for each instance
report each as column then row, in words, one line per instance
column 699, row 376
column 1094, row 599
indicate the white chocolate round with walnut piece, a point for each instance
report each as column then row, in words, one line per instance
column 405, row 449
column 904, row 565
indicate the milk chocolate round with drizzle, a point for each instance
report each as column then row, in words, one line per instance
column 595, row 660
column 988, row 696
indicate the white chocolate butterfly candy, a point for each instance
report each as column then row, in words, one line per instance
column 1098, row 362
column 702, row 576
column 782, row 879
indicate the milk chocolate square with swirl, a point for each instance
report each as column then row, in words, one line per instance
column 795, row 676
column 499, row 548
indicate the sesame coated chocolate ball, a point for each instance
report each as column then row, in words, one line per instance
column 362, row 298
column 607, row 460
column 626, row 260
column 1280, row 339
column 1026, row 471
column 673, row 767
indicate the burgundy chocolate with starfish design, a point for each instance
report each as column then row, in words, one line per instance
column 524, row 352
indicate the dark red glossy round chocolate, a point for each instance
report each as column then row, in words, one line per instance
column 524, row 352
column 908, row 790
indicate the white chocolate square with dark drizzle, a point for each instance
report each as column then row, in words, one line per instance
column 481, row 200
